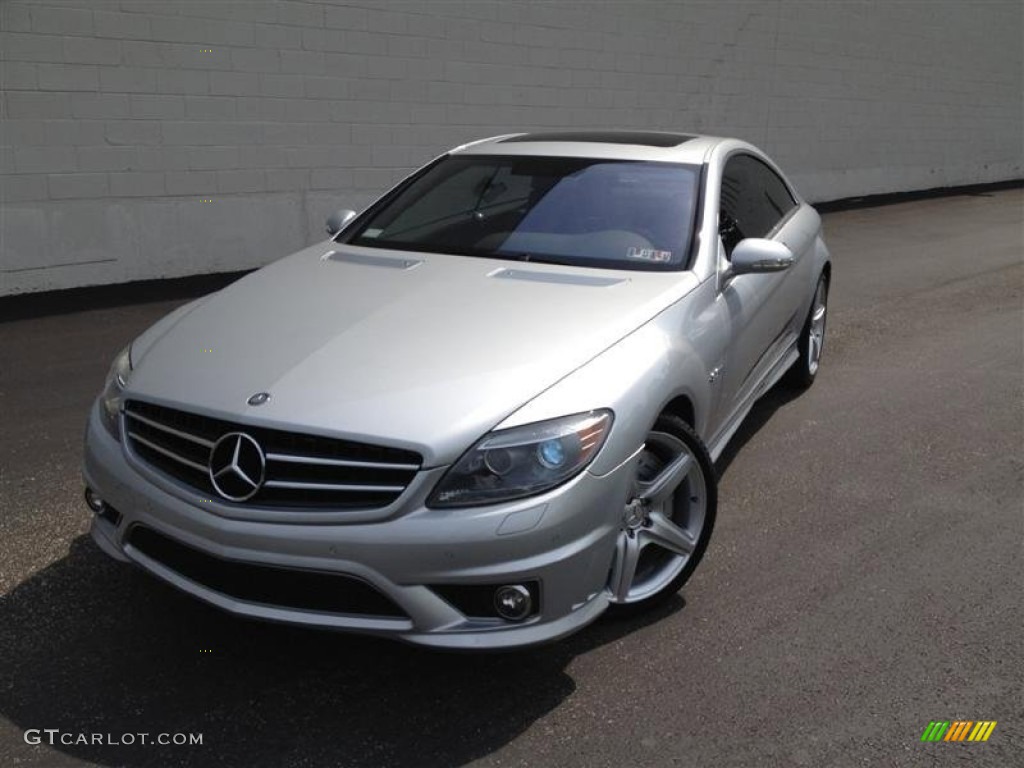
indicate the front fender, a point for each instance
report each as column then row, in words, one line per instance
column 635, row 378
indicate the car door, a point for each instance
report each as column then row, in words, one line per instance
column 763, row 308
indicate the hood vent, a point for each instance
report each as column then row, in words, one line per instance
column 560, row 278
column 369, row 260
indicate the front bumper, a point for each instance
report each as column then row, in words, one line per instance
column 564, row 540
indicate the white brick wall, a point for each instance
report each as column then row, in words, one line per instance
column 118, row 119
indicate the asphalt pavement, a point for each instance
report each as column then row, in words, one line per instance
column 864, row 579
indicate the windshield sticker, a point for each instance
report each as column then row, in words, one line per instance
column 372, row 233
column 649, row 254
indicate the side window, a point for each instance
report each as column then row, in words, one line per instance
column 730, row 204
column 775, row 192
column 753, row 200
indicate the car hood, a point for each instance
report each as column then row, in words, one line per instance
column 422, row 351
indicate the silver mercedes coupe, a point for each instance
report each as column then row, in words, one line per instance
column 482, row 413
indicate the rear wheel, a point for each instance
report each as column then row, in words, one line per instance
column 812, row 340
column 668, row 518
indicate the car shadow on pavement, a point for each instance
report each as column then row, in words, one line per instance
column 759, row 415
column 92, row 646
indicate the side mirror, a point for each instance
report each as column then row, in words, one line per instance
column 337, row 221
column 755, row 255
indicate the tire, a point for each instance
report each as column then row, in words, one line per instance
column 668, row 520
column 812, row 340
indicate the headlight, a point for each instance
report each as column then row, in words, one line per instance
column 110, row 400
column 523, row 461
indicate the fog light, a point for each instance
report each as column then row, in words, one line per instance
column 96, row 504
column 513, row 602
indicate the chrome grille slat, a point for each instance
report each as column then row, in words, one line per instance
column 334, row 486
column 302, row 471
column 339, row 462
column 170, row 430
column 169, row 454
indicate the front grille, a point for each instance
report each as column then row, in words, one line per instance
column 302, row 471
column 265, row 584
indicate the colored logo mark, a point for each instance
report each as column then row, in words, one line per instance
column 958, row 730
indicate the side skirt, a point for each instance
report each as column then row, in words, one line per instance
column 771, row 378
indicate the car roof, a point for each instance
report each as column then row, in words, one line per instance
column 660, row 146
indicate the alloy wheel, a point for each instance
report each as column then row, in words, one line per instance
column 816, row 338
column 662, row 522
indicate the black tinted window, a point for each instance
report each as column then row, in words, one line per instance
column 605, row 213
column 754, row 199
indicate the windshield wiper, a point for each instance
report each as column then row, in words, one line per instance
column 539, row 259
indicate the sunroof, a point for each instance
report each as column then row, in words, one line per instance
column 641, row 138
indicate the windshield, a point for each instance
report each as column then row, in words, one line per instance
column 578, row 211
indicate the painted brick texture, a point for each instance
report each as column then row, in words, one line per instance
column 118, row 119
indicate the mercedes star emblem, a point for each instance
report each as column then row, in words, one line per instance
column 237, row 466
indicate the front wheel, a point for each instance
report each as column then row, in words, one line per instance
column 812, row 340
column 668, row 519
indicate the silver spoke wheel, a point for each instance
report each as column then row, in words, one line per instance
column 662, row 522
column 816, row 338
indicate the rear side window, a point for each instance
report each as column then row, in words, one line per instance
column 754, row 200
